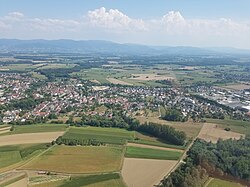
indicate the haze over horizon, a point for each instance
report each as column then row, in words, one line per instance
column 165, row 23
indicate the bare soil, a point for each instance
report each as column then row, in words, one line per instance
column 211, row 132
column 27, row 138
column 145, row 172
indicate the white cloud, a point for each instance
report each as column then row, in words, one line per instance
column 171, row 29
column 114, row 19
column 173, row 17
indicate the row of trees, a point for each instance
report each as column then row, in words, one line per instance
column 118, row 121
column 74, row 142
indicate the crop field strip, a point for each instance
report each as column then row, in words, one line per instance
column 105, row 135
column 149, row 153
column 38, row 128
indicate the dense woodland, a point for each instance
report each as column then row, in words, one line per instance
column 163, row 132
column 174, row 115
column 225, row 159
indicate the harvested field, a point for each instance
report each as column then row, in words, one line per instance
column 4, row 129
column 211, row 132
column 154, row 147
column 116, row 81
column 145, row 172
column 237, row 86
column 21, row 183
column 29, row 138
column 191, row 129
column 145, row 77
column 78, row 159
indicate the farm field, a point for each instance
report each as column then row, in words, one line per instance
column 117, row 81
column 222, row 183
column 10, row 155
column 144, row 139
column 29, row 138
column 145, row 172
column 191, row 129
column 242, row 127
column 211, row 132
column 145, row 77
column 20, row 183
column 149, row 153
column 237, row 86
column 105, row 180
column 155, row 147
column 56, row 66
column 106, row 135
column 38, row 128
column 66, row 159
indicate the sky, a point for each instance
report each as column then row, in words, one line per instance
column 200, row 23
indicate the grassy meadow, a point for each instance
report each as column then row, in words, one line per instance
column 242, row 127
column 223, row 183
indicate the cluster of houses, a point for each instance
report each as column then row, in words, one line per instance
column 85, row 97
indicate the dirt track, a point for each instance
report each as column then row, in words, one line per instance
column 154, row 147
column 211, row 132
column 145, row 172
column 28, row 138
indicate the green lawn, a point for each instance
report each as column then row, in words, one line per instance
column 13, row 154
column 38, row 128
column 239, row 126
column 106, row 135
column 139, row 152
column 223, row 183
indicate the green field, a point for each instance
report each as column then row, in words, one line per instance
column 38, row 128
column 139, row 152
column 242, row 127
column 79, row 159
column 105, row 135
column 13, row 154
column 222, row 183
column 105, row 180
column 9, row 157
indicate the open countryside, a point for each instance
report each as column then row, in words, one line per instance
column 124, row 94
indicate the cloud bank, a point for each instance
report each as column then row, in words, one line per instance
column 171, row 29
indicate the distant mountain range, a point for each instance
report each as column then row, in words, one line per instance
column 107, row 47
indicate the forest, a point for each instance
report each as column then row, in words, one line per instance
column 227, row 159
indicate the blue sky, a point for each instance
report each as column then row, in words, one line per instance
column 163, row 22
